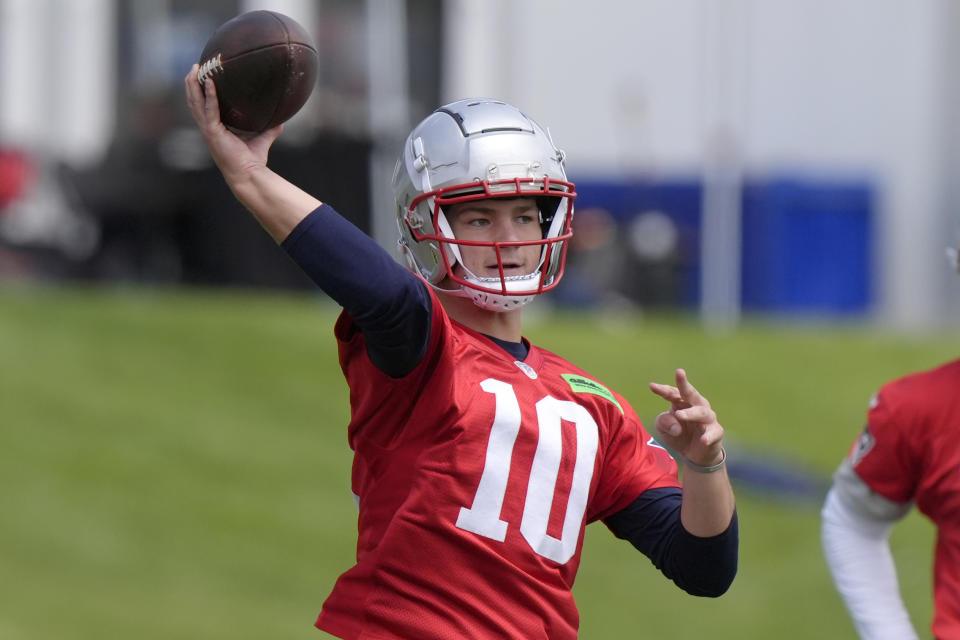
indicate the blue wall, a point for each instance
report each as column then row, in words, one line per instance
column 806, row 244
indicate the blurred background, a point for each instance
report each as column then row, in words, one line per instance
column 173, row 460
column 782, row 157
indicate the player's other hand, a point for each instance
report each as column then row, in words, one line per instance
column 235, row 152
column 690, row 427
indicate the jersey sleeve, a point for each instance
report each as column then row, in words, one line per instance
column 386, row 301
column 633, row 463
column 885, row 453
column 377, row 398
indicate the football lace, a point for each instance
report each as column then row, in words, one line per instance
column 210, row 67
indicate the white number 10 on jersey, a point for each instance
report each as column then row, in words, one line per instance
column 483, row 517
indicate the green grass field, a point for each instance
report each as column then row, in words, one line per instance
column 174, row 465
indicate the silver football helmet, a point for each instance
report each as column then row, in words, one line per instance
column 472, row 150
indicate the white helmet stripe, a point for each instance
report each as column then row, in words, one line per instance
column 447, row 232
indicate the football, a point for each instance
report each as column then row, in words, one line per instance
column 264, row 65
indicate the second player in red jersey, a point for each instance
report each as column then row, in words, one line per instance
column 908, row 454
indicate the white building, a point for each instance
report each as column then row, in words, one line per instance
column 721, row 89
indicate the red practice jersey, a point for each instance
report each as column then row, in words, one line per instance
column 910, row 450
column 475, row 476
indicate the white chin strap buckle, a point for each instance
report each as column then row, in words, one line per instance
column 499, row 301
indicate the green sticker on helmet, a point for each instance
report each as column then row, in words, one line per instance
column 579, row 384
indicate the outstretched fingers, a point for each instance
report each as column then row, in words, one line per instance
column 690, row 426
column 687, row 406
column 682, row 395
column 687, row 391
column 668, row 392
column 697, row 413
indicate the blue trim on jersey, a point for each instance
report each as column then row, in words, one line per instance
column 518, row 350
column 699, row 566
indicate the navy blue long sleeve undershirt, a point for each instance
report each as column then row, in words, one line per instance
column 392, row 307
column 388, row 303
column 699, row 566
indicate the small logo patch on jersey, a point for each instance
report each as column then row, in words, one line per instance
column 862, row 447
column 579, row 384
column 653, row 443
column 527, row 369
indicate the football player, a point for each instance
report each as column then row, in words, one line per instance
column 908, row 453
column 479, row 458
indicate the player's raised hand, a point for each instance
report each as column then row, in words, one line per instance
column 234, row 152
column 276, row 203
column 690, row 427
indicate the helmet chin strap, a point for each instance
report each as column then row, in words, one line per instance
column 486, row 300
column 498, row 301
